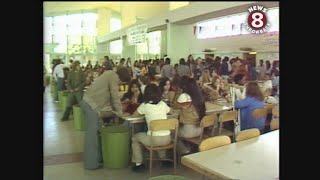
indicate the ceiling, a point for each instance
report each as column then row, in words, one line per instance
column 55, row 8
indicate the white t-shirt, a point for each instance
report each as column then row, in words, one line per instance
column 155, row 112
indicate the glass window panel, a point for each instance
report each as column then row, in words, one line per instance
column 154, row 42
column 60, row 25
column 74, row 24
column 142, row 48
column 48, row 30
column 115, row 24
column 116, row 47
column 89, row 24
column 61, row 43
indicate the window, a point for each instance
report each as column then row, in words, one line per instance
column 115, row 24
column 48, row 30
column 154, row 42
column 116, row 47
column 233, row 25
column 72, row 33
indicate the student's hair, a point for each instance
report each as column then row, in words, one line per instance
column 183, row 81
column 129, row 93
column 193, row 90
column 253, row 90
column 168, row 60
column 182, row 61
column 124, row 74
column 152, row 94
column 237, row 78
column 144, row 80
column 162, row 83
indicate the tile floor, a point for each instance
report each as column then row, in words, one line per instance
column 63, row 148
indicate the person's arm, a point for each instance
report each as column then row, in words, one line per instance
column 114, row 94
column 83, row 81
column 68, row 84
column 242, row 103
column 139, row 111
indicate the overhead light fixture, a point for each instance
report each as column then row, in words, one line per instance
column 252, row 52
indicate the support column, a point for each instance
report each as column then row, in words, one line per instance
column 103, row 23
column 128, row 14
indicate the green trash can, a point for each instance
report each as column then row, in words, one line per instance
column 78, row 118
column 115, row 141
column 63, row 99
column 169, row 177
column 53, row 88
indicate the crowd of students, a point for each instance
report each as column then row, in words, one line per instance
column 155, row 86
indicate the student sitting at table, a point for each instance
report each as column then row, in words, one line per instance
column 215, row 90
column 132, row 98
column 166, row 91
column 205, row 77
column 253, row 100
column 193, row 109
column 153, row 109
column 268, row 98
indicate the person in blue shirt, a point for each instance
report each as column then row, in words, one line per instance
column 253, row 100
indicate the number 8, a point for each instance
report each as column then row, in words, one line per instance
column 253, row 23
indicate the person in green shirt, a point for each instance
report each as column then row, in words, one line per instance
column 75, row 83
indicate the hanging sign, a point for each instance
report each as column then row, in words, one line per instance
column 137, row 34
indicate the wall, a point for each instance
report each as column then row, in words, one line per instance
column 128, row 51
column 184, row 42
column 267, row 56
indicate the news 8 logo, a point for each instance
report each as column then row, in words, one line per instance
column 257, row 22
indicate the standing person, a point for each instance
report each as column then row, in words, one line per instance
column 261, row 69
column 254, row 100
column 102, row 95
column 44, row 78
column 58, row 75
column 183, row 69
column 75, row 84
column 167, row 70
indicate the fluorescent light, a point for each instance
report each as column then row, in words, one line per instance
column 252, row 52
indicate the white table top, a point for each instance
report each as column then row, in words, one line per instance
column 256, row 158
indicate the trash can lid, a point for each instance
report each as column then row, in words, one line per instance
column 114, row 129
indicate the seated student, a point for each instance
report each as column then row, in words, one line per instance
column 268, row 98
column 253, row 100
column 240, row 81
column 144, row 81
column 153, row 109
column 166, row 91
column 132, row 98
column 215, row 90
column 205, row 77
column 193, row 109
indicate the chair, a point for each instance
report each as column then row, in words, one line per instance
column 207, row 121
column 214, row 142
column 225, row 117
column 247, row 134
column 274, row 124
column 259, row 113
column 164, row 124
column 275, row 112
column 269, row 108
